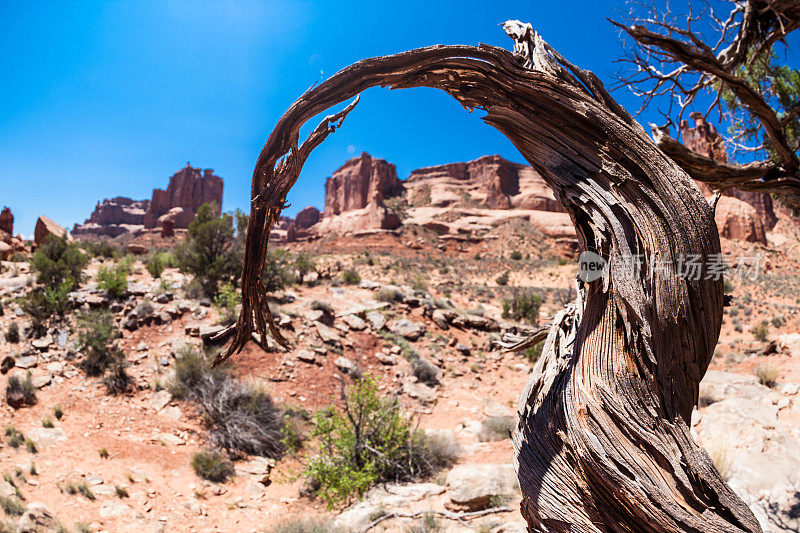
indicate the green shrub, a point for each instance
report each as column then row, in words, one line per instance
column 116, row 378
column 278, row 270
column 319, row 305
column 524, row 305
column 226, row 301
column 121, row 492
column 30, row 445
column 534, row 352
column 58, row 261
column 46, row 303
column 212, row 465
column 96, row 331
column 20, row 392
column 212, row 251
column 419, row 283
column 389, row 294
column 101, row 248
column 516, row 255
column 304, row 265
column 370, row 442
column 12, row 334
column 11, row 506
column 58, row 412
column 502, row 279
column 240, row 416
column 113, row 280
column 351, row 277
column 47, row 422
column 155, row 265
column 14, row 437
column 18, row 257
column 761, row 331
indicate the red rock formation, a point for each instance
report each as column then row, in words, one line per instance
column 739, row 220
column 7, row 221
column 489, row 181
column 307, row 218
column 45, row 227
column 188, row 189
column 114, row 216
column 705, row 140
column 355, row 182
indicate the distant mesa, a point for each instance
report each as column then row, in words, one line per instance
column 169, row 209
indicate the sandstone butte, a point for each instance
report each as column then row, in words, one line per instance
column 188, row 189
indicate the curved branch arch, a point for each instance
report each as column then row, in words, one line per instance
column 602, row 442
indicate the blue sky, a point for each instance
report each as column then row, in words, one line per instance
column 103, row 99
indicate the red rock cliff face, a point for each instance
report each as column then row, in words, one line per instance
column 489, row 181
column 354, row 184
column 114, row 216
column 189, row 188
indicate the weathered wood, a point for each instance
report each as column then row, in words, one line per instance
column 603, row 441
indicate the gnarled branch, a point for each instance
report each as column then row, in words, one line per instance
column 602, row 442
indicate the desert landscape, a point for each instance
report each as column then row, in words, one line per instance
column 419, row 284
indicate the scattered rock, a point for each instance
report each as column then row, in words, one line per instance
column 47, row 436
column 327, row 334
column 306, row 356
column 29, row 361
column 376, row 319
column 406, row 328
column 354, row 322
column 346, row 365
column 43, row 343
column 419, row 391
column 160, row 400
column 387, row 359
column 38, row 519
column 472, row 487
column 170, row 440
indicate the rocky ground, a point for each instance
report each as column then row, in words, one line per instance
column 440, row 298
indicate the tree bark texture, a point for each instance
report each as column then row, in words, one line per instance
column 603, row 440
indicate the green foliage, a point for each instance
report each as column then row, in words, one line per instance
column 103, row 453
column 212, row 250
column 761, row 331
column 370, row 442
column 47, row 422
column 226, row 301
column 502, row 279
column 58, row 261
column 516, row 255
column 11, row 506
column 351, row 277
column 14, row 437
column 212, row 465
column 30, row 446
column 12, row 334
column 524, row 305
column 779, row 86
column 114, row 280
column 96, row 334
column 304, row 264
column 389, row 294
column 419, row 283
column 45, row 303
column 156, row 263
column 20, row 392
column 534, row 352
column 101, row 248
column 278, row 270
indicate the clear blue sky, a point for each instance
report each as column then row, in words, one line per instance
column 103, row 99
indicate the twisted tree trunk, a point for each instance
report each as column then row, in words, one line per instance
column 603, row 441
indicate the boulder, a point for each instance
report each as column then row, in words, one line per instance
column 306, row 218
column 406, row 328
column 46, row 227
column 347, row 366
column 137, row 249
column 738, row 220
column 419, row 391
column 5, row 250
column 327, row 334
column 38, row 519
column 377, row 319
column 355, row 323
column 113, row 217
column 472, row 487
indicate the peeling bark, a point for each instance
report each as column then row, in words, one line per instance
column 603, row 441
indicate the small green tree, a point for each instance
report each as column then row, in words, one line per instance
column 524, row 305
column 58, row 261
column 212, row 250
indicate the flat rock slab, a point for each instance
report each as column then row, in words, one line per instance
column 472, row 487
column 327, row 334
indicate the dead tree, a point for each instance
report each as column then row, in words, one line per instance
column 603, row 440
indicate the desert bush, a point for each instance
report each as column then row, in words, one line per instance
column 419, row 283
column 20, row 392
column 212, row 465
column 389, row 294
column 351, row 277
column 429, row 523
column 424, row 370
column 295, row 428
column 212, row 250
column 370, row 441
column 304, row 264
column 12, row 333
column 113, row 280
column 18, row 257
column 155, row 264
column 761, row 331
column 319, row 305
column 241, row 417
column 778, row 321
column 226, row 301
column 534, row 352
column 101, row 248
column 58, row 261
column 58, row 412
column 47, row 422
column 516, row 255
column 116, row 378
column 306, row 525
column 524, row 305
column 496, row 428
column 502, row 279
column 721, row 454
column 96, row 332
column 45, row 303
column 14, row 437
column 279, row 272
column 767, row 374
column 12, row 506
